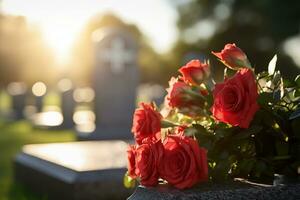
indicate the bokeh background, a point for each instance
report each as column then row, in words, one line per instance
column 50, row 40
column 46, row 40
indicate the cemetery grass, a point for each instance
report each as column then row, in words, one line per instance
column 13, row 136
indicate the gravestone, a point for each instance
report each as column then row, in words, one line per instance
column 115, row 81
column 39, row 90
column 67, row 102
column 39, row 103
column 52, row 116
column 75, row 170
column 18, row 92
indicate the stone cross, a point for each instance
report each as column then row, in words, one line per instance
column 117, row 55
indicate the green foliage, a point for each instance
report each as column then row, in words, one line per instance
column 12, row 137
column 270, row 145
column 234, row 21
column 297, row 80
column 23, row 52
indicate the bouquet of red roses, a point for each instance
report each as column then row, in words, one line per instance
column 246, row 126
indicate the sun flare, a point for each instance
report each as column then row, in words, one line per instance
column 62, row 21
column 61, row 39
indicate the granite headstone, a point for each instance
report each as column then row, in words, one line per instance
column 67, row 102
column 115, row 83
column 18, row 92
column 39, row 90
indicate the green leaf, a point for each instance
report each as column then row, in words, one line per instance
column 228, row 72
column 246, row 166
column 295, row 114
column 262, row 74
column 201, row 129
column 207, row 145
column 221, row 169
column 246, row 133
column 264, row 98
column 209, row 99
column 287, row 157
column 296, row 93
column 282, row 148
column 224, row 132
column 190, row 132
column 224, row 155
column 288, row 83
column 297, row 80
column 128, row 181
column 296, row 127
column 167, row 124
column 279, row 92
column 260, row 166
column 277, row 79
column 272, row 65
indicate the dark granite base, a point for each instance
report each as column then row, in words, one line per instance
column 234, row 191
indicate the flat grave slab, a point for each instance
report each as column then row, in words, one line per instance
column 76, row 170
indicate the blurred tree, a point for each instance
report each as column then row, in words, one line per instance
column 259, row 27
column 23, row 55
column 149, row 61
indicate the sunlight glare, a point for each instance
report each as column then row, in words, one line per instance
column 61, row 22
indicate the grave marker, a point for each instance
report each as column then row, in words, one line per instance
column 115, row 81
column 17, row 90
column 39, row 90
column 67, row 102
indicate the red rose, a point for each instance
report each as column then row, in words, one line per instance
column 184, row 163
column 131, row 161
column 177, row 96
column 235, row 99
column 146, row 122
column 147, row 158
column 233, row 57
column 195, row 72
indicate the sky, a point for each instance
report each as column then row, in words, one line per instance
column 61, row 21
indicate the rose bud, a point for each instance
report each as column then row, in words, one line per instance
column 195, row 72
column 147, row 159
column 235, row 100
column 233, row 57
column 178, row 96
column 184, row 163
column 146, row 122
